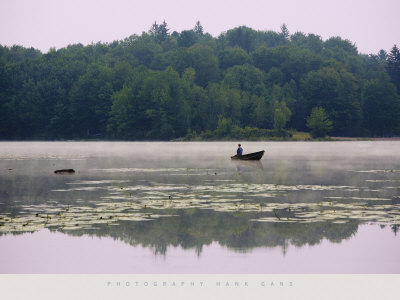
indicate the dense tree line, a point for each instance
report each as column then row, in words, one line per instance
column 161, row 85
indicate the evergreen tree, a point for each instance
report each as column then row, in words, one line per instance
column 319, row 123
column 381, row 107
column 198, row 28
column 161, row 86
column 393, row 66
column 285, row 31
column 160, row 32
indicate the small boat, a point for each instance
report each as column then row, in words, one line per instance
column 250, row 156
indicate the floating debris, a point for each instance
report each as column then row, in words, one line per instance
column 65, row 172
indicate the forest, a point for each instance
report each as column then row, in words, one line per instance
column 164, row 85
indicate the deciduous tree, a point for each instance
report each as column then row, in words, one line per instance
column 319, row 123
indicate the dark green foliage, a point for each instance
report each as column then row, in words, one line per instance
column 245, row 83
column 393, row 66
column 202, row 59
column 90, row 101
column 311, row 42
column 198, row 28
column 159, row 32
column 245, row 77
column 187, row 38
column 281, row 116
column 243, row 37
column 151, row 106
column 232, row 57
column 381, row 107
column 337, row 92
column 319, row 123
column 228, row 130
column 337, row 46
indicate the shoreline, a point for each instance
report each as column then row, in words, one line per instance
column 327, row 139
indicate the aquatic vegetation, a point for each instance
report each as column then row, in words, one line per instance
column 75, row 217
column 145, row 202
column 301, row 194
column 377, row 171
column 142, row 194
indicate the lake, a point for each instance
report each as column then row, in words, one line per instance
column 185, row 207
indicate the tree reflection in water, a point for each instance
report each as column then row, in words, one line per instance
column 281, row 201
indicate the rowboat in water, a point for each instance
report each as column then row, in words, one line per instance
column 250, row 156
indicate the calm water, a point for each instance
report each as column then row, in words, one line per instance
column 329, row 207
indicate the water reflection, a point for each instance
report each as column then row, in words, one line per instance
column 158, row 199
column 243, row 165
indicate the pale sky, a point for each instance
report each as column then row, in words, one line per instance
column 370, row 24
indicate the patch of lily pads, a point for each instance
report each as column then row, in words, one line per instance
column 122, row 201
column 66, row 218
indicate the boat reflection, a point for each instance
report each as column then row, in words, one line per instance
column 242, row 165
column 191, row 203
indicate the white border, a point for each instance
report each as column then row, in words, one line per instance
column 201, row 286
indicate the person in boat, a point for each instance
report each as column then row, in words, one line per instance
column 239, row 150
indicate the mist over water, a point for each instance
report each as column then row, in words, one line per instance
column 174, row 199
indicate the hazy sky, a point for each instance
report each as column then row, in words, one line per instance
column 370, row 24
